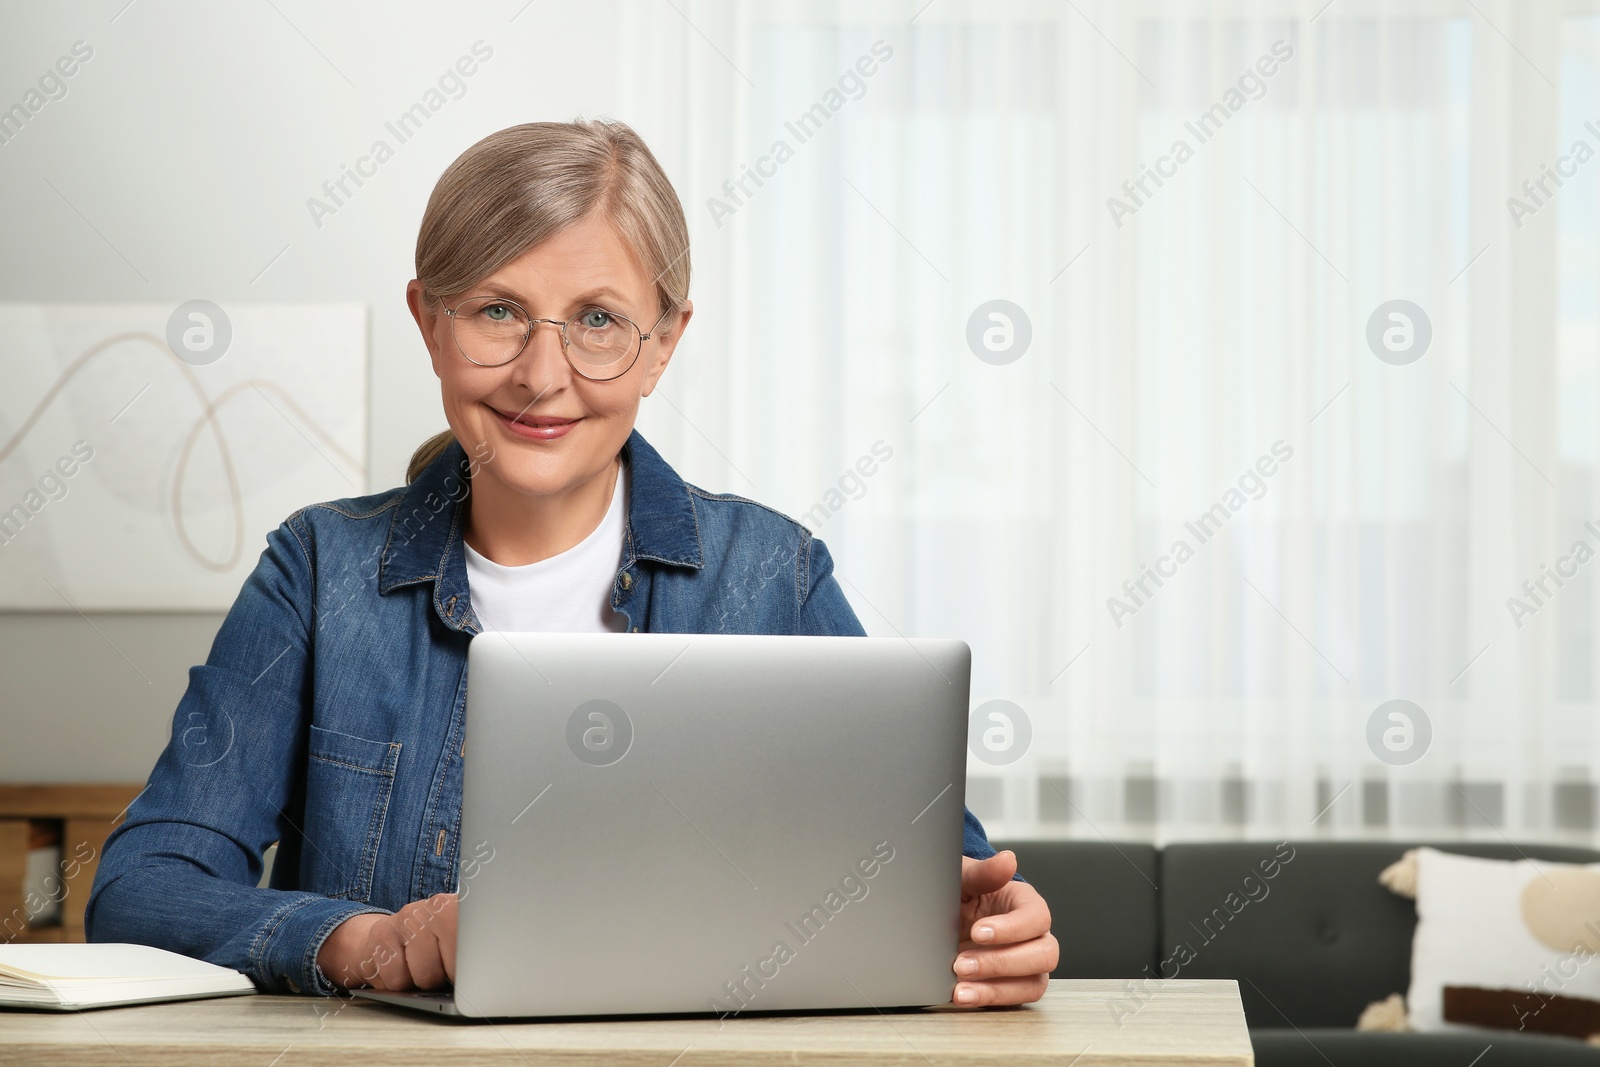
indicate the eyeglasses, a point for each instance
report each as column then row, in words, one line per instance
column 600, row 345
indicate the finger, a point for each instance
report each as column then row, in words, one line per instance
column 1001, row 991
column 986, row 876
column 387, row 957
column 419, row 918
column 444, row 929
column 422, row 957
column 1037, row 956
column 1020, row 916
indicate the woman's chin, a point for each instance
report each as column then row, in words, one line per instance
column 533, row 480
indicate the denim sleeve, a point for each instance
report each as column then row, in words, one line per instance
column 824, row 610
column 180, row 873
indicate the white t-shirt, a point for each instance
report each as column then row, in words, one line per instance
column 569, row 592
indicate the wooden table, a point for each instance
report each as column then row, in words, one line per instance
column 1102, row 1023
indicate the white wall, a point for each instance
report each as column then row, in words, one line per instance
column 177, row 166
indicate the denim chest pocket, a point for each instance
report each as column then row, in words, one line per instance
column 349, row 782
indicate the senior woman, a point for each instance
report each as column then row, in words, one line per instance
column 551, row 292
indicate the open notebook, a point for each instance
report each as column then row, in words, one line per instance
column 67, row 977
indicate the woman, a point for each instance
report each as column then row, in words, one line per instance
column 551, row 291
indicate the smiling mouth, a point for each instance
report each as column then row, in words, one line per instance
column 536, row 421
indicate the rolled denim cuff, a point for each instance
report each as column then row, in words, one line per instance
column 976, row 844
column 285, row 952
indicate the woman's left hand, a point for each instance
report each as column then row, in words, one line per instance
column 1007, row 951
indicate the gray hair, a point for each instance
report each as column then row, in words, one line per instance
column 516, row 188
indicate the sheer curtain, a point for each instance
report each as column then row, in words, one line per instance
column 1010, row 301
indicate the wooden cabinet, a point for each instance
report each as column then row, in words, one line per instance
column 84, row 815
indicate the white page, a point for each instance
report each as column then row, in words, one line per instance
column 48, row 963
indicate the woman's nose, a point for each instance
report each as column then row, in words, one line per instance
column 542, row 364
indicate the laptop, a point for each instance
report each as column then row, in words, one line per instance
column 707, row 824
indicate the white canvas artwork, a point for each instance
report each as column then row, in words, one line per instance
column 146, row 450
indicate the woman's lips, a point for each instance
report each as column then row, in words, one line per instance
column 541, row 428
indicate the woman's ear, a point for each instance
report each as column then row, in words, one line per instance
column 427, row 320
column 668, row 336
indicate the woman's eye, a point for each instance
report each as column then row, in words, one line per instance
column 497, row 312
column 595, row 319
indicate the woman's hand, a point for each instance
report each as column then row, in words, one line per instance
column 415, row 948
column 1006, row 957
column 1007, row 952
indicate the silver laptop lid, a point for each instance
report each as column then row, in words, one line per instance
column 693, row 823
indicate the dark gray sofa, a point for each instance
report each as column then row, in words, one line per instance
column 1321, row 942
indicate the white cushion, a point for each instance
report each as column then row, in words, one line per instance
column 1496, row 924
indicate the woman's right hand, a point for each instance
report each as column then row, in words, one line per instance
column 415, row 948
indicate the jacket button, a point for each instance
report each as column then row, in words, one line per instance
column 627, row 580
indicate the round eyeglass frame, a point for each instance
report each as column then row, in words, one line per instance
column 566, row 343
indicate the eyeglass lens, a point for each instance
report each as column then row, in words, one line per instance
column 491, row 331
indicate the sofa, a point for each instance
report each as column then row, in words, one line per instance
column 1310, row 947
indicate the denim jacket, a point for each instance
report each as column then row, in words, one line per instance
column 328, row 714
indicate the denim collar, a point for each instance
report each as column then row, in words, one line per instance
column 425, row 532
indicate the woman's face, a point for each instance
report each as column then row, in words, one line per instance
column 584, row 422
